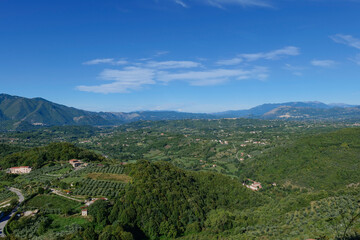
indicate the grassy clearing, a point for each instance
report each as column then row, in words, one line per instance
column 109, row 177
column 59, row 223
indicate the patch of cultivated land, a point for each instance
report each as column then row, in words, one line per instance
column 109, row 177
column 51, row 202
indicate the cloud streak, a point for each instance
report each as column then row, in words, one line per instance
column 130, row 78
column 105, row 61
column 214, row 77
column 223, row 3
column 347, row 40
column 272, row 55
column 251, row 57
column 172, row 64
column 356, row 59
column 229, row 62
column 323, row 63
column 181, row 3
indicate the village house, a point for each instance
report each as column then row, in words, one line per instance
column 20, row 170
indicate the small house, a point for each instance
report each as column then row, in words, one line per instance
column 84, row 212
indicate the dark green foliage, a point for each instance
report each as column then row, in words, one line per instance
column 6, row 149
column 99, row 210
column 54, row 152
column 115, row 232
column 164, row 200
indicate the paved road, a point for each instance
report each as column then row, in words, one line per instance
column 6, row 218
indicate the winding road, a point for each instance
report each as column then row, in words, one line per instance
column 4, row 220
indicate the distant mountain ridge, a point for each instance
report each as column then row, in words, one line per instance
column 23, row 113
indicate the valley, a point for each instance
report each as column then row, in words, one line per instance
column 188, row 176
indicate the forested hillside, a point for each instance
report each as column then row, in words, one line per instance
column 324, row 161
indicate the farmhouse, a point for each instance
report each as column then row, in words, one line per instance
column 20, row 170
column 255, row 186
column 75, row 162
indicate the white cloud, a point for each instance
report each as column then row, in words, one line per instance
column 105, row 61
column 228, row 62
column 347, row 40
column 131, row 78
column 172, row 64
column 272, row 55
column 323, row 63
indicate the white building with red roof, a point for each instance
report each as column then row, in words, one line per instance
column 20, row 170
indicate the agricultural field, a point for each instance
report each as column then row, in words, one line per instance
column 52, row 203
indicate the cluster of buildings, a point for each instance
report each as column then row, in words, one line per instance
column 27, row 169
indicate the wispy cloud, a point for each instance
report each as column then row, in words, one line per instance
column 105, row 61
column 172, row 64
column 228, row 62
column 296, row 70
column 272, row 55
column 130, row 78
column 356, row 59
column 223, row 3
column 161, row 53
column 181, row 3
column 250, row 57
column 215, row 76
column 323, row 63
column 244, row 3
column 347, row 40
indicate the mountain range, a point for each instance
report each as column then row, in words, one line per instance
column 19, row 113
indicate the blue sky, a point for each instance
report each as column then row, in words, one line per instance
column 184, row 55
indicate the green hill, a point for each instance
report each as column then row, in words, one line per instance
column 324, row 161
column 54, row 152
